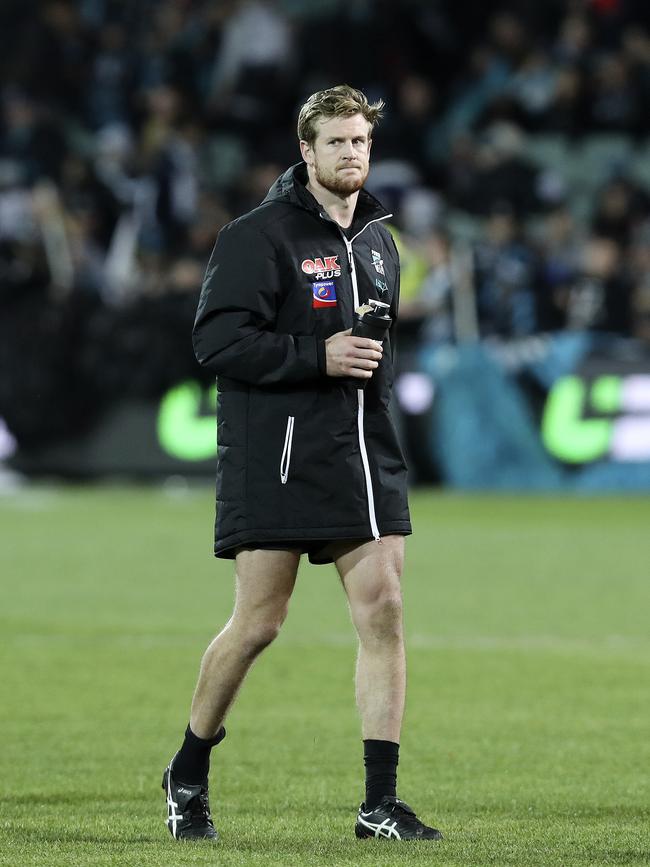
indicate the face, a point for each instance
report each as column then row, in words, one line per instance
column 339, row 157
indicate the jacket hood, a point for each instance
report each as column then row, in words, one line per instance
column 291, row 187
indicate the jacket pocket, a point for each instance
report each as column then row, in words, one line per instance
column 285, row 460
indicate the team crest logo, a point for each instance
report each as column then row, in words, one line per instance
column 378, row 262
column 323, row 294
column 321, row 269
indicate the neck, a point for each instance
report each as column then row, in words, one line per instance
column 339, row 208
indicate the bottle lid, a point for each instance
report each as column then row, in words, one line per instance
column 373, row 306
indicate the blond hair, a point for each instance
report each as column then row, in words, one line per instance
column 339, row 101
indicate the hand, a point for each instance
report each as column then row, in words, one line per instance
column 352, row 356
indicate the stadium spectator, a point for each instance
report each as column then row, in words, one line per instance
column 505, row 269
column 614, row 100
column 620, row 206
column 560, row 258
column 430, row 312
column 30, row 136
column 598, row 295
column 640, row 312
column 566, row 110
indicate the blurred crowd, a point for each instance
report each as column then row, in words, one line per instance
column 515, row 154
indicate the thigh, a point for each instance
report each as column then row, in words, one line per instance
column 264, row 578
column 370, row 569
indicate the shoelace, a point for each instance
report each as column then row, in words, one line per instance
column 407, row 815
column 199, row 809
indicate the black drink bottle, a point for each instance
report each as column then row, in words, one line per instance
column 371, row 320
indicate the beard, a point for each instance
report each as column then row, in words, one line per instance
column 336, row 183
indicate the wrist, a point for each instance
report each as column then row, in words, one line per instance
column 321, row 357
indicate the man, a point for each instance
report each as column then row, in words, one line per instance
column 308, row 459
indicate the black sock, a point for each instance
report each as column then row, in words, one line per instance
column 192, row 761
column 380, row 759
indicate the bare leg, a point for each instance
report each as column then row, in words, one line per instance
column 264, row 583
column 370, row 573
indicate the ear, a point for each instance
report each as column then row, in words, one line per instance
column 307, row 152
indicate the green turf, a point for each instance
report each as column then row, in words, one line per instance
column 527, row 729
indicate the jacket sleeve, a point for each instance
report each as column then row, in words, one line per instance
column 234, row 328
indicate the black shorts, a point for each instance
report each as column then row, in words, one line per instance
column 319, row 551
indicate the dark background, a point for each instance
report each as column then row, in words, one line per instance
column 515, row 153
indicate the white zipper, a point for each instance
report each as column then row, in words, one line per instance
column 285, row 460
column 366, row 468
column 360, row 395
column 369, row 223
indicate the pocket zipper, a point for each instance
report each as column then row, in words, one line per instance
column 286, row 451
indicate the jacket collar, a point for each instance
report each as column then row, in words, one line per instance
column 291, row 187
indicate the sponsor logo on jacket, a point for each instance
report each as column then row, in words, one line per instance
column 323, row 268
column 323, row 294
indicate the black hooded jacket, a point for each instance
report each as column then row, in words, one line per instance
column 302, row 456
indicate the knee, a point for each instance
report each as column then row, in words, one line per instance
column 379, row 617
column 259, row 637
column 258, row 631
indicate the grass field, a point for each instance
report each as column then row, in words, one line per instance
column 527, row 733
